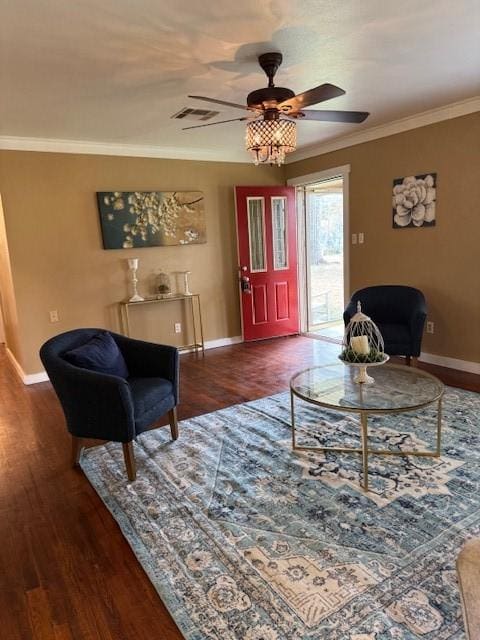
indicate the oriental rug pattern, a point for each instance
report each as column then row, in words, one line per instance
column 245, row 539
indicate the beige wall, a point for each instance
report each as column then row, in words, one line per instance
column 57, row 260
column 56, row 250
column 8, row 304
column 442, row 261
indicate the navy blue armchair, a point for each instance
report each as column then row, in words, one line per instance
column 108, row 407
column 398, row 311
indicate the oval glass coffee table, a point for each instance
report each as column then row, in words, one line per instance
column 397, row 389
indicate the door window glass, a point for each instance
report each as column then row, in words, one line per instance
column 279, row 233
column 256, row 234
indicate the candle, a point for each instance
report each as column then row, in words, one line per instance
column 360, row 345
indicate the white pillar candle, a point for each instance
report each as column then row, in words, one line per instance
column 360, row 345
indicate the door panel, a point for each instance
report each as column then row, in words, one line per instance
column 281, row 298
column 267, row 250
column 259, row 302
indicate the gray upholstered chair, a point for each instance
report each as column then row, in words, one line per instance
column 111, row 407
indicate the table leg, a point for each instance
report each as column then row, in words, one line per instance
column 202, row 341
column 439, row 428
column 292, row 406
column 364, row 422
column 127, row 322
column 194, row 326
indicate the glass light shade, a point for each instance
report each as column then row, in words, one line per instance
column 269, row 140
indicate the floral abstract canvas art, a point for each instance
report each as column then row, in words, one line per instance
column 134, row 219
column 413, row 201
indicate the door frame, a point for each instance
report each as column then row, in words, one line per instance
column 304, row 181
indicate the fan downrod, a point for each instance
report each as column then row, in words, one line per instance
column 270, row 63
column 271, row 95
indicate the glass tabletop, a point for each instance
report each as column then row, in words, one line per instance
column 396, row 388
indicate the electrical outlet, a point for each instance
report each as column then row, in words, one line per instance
column 54, row 315
column 354, row 238
column 361, row 238
column 178, row 327
column 430, row 327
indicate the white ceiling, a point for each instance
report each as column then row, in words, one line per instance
column 116, row 70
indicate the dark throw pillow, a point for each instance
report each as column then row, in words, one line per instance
column 100, row 354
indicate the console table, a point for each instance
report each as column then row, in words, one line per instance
column 197, row 326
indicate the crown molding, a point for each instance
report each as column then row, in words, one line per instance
column 447, row 112
column 54, row 145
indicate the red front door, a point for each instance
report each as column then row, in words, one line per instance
column 267, row 252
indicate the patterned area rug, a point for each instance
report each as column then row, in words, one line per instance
column 246, row 540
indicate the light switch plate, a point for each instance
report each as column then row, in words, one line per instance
column 354, row 238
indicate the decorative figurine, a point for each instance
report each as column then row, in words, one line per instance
column 162, row 285
column 362, row 346
column 133, row 266
column 186, row 291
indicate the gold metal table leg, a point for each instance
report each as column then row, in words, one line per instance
column 202, row 340
column 192, row 308
column 127, row 321
column 364, row 450
column 364, row 423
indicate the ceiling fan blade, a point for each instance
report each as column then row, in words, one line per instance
column 332, row 116
column 312, row 96
column 224, row 103
column 209, row 124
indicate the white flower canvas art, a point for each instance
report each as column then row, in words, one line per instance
column 134, row 219
column 414, row 200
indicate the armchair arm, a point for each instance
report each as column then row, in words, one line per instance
column 96, row 405
column 147, row 359
column 416, row 325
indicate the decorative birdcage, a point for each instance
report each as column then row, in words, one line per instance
column 362, row 345
column 163, row 287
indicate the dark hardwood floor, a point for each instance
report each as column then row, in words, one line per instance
column 66, row 572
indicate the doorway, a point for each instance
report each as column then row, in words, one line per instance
column 322, row 202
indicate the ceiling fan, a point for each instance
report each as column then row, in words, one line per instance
column 274, row 111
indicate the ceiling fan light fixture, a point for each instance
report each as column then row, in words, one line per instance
column 270, row 140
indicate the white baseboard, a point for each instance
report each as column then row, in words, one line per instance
column 451, row 363
column 430, row 358
column 34, row 378
column 222, row 342
column 41, row 376
column 214, row 344
column 18, row 369
column 30, row 378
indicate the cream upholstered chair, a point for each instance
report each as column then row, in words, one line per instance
column 468, row 569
